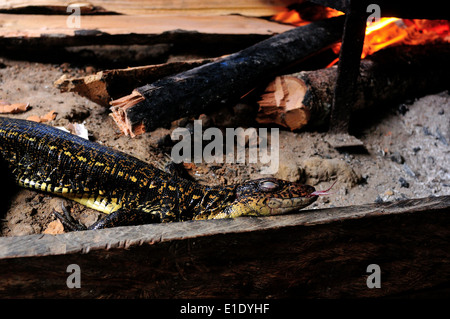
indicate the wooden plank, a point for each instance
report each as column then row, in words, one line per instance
column 39, row 25
column 316, row 253
column 256, row 8
column 41, row 31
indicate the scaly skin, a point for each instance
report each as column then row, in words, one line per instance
column 129, row 190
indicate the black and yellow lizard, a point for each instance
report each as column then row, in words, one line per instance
column 128, row 190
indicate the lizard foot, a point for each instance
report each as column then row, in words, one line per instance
column 67, row 220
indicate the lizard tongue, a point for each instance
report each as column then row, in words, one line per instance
column 321, row 193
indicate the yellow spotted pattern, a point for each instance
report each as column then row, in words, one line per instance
column 47, row 159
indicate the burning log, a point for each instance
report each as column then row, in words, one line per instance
column 206, row 87
column 388, row 76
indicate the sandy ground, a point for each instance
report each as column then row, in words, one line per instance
column 407, row 150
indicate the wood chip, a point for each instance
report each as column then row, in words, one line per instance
column 54, row 228
column 50, row 116
column 6, row 108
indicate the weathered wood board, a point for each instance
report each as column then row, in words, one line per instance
column 320, row 253
column 46, row 31
column 256, row 8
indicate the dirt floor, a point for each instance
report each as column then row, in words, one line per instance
column 407, row 152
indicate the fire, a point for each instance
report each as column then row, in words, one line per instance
column 298, row 19
column 382, row 33
column 394, row 31
column 372, row 27
column 290, row 17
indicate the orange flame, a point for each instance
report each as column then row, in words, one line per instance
column 295, row 18
column 384, row 32
column 290, row 17
column 394, row 31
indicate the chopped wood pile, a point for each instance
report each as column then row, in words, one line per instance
column 292, row 100
column 206, row 87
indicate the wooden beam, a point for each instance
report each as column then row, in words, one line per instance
column 320, row 253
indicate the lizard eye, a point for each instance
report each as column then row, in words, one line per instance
column 268, row 186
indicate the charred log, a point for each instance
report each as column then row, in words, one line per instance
column 106, row 85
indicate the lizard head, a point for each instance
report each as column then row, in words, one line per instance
column 269, row 196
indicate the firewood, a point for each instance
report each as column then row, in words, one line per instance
column 392, row 75
column 207, row 87
column 282, row 103
column 106, row 85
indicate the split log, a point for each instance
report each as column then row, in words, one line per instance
column 207, row 87
column 106, row 85
column 387, row 77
